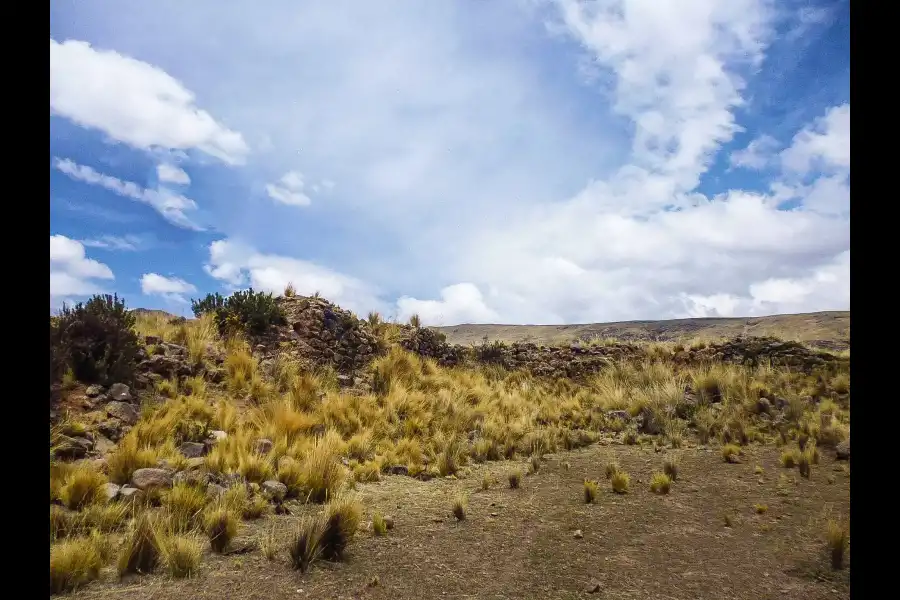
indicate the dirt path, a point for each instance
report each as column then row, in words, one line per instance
column 520, row 543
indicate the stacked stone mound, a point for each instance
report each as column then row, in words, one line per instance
column 326, row 334
column 431, row 343
column 755, row 350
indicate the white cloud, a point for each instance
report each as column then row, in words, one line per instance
column 289, row 190
column 112, row 242
column 238, row 264
column 825, row 144
column 134, row 102
column 460, row 303
column 168, row 204
column 757, row 155
column 171, row 288
column 461, row 162
column 72, row 274
column 167, row 173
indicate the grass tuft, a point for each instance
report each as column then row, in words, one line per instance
column 590, row 491
column 620, row 482
column 515, row 479
column 660, row 483
column 670, row 468
column 140, row 551
column 731, row 453
column 342, row 517
column 82, row 486
column 460, row 503
column 221, row 526
column 74, row 563
column 837, row 536
column 305, row 546
column 181, row 554
column 379, row 525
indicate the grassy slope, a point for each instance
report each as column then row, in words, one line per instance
column 831, row 326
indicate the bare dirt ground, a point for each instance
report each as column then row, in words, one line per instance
column 521, row 544
column 827, row 326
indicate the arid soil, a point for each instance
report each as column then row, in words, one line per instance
column 522, row 544
column 825, row 326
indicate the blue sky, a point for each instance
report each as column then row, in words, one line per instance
column 539, row 161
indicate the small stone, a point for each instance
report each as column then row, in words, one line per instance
column 195, row 478
column 214, row 490
column 120, row 393
column 93, row 391
column 493, row 514
column 124, row 412
column 112, row 491
column 127, row 492
column 192, row 449
column 593, row 587
column 263, row 446
column 398, row 470
column 578, row 535
column 195, row 463
column 274, row 490
column 843, row 450
column 217, row 435
column 149, row 478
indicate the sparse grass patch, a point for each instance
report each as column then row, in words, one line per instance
column 660, row 483
column 342, row 517
column 140, row 552
column 803, row 465
column 268, row 543
column 837, row 537
column 789, row 458
column 534, row 464
column 82, row 486
column 74, row 563
column 184, row 504
column 731, row 453
column 515, row 479
column 255, row 508
column 760, row 509
column 590, row 491
column 486, row 482
column 305, row 546
column 758, row 470
column 611, row 469
column 460, row 503
column 221, row 526
column 670, row 468
column 181, row 554
column 379, row 525
column 620, row 482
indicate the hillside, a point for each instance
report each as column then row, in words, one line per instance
column 833, row 328
column 282, row 446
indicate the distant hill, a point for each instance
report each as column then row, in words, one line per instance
column 153, row 311
column 832, row 328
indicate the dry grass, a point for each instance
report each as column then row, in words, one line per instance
column 140, row 551
column 670, row 468
column 268, row 543
column 181, row 554
column 660, row 483
column 731, row 453
column 611, row 469
column 82, row 486
column 305, row 546
column 620, row 482
column 515, row 479
column 590, row 491
column 379, row 525
column 789, row 458
column 221, row 526
column 184, row 504
column 75, row 562
column 342, row 518
column 837, row 537
column 458, row 507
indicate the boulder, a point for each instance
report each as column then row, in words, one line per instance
column 398, row 470
column 214, row 490
column 192, row 449
column 124, row 412
column 127, row 492
column 144, row 479
column 93, row 391
column 196, row 478
column 68, row 447
column 120, row 393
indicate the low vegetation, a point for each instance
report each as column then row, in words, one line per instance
column 404, row 414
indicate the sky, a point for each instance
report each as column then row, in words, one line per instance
column 512, row 161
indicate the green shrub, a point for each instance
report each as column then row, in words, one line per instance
column 96, row 340
column 245, row 310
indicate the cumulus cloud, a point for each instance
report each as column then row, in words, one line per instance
column 757, row 155
column 289, row 190
column 460, row 303
column 824, row 144
column 170, row 288
column 238, row 264
column 72, row 274
column 167, row 173
column 134, row 102
column 168, row 204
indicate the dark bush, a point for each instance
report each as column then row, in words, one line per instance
column 210, row 304
column 247, row 310
column 490, row 352
column 96, row 340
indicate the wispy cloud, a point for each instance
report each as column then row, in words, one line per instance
column 112, row 242
column 170, row 288
column 72, row 274
column 168, row 204
column 289, row 190
column 167, row 173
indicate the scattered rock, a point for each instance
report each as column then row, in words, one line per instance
column 196, row 478
column 144, row 479
column 622, row 415
column 843, row 450
column 274, row 490
column 114, row 430
column 217, row 435
column 263, row 446
column 120, row 393
column 398, row 470
column 214, row 490
column 192, row 449
column 103, row 445
column 593, row 587
column 763, row 406
column 127, row 492
column 124, row 412
column 100, row 465
column 68, row 448
column 195, row 463
column 578, row 535
column 112, row 491
column 93, row 391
